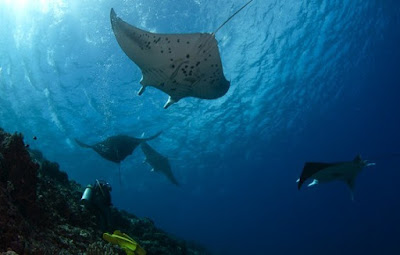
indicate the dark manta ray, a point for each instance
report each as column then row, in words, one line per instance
column 181, row 65
column 326, row 172
column 158, row 162
column 117, row 148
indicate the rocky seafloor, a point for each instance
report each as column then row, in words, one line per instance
column 41, row 213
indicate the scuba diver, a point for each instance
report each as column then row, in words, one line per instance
column 97, row 198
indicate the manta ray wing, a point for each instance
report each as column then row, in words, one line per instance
column 311, row 168
column 158, row 162
column 83, row 145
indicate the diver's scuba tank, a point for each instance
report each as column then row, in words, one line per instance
column 99, row 193
column 87, row 194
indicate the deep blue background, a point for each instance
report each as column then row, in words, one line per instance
column 311, row 81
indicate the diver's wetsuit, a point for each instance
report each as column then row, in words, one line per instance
column 101, row 203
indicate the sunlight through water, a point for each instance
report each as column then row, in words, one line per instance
column 64, row 76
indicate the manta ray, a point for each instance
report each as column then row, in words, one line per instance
column 181, row 65
column 326, row 172
column 158, row 162
column 116, row 148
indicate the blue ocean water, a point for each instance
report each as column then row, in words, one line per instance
column 310, row 81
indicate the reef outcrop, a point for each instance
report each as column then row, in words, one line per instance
column 41, row 213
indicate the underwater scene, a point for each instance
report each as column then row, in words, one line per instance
column 200, row 127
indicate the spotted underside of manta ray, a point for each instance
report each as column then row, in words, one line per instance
column 158, row 162
column 116, row 148
column 181, row 65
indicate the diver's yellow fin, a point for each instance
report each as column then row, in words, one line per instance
column 109, row 238
column 128, row 252
column 140, row 251
column 117, row 233
column 123, row 235
column 128, row 237
column 130, row 246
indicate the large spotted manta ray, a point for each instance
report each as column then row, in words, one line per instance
column 326, row 172
column 181, row 65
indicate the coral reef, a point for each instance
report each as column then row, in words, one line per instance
column 41, row 213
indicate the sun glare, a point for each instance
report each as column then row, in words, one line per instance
column 21, row 6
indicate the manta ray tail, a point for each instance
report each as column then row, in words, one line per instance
column 152, row 137
column 233, row 15
column 350, row 183
column 119, row 173
column 173, row 180
column 82, row 144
